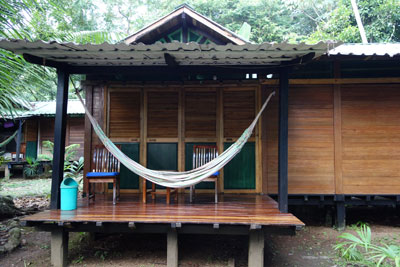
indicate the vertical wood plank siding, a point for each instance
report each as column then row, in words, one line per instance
column 200, row 114
column 371, row 138
column 311, row 141
column 368, row 156
column 162, row 114
column 124, row 115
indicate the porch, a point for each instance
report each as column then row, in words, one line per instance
column 244, row 214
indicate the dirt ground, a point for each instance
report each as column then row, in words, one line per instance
column 311, row 246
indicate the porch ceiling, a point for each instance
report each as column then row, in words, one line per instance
column 184, row 54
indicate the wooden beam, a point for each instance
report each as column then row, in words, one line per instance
column 172, row 248
column 220, row 133
column 88, row 136
column 256, row 248
column 300, row 60
column 44, row 62
column 59, row 137
column 170, row 60
column 283, row 140
column 19, row 135
column 184, row 28
column 143, row 139
column 259, row 177
column 337, row 122
column 334, row 81
column 59, row 247
column 181, row 132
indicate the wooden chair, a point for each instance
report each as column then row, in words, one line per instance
column 105, row 170
column 203, row 154
column 22, row 153
column 153, row 192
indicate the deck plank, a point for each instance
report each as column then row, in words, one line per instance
column 232, row 210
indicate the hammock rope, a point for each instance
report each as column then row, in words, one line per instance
column 170, row 178
column 8, row 140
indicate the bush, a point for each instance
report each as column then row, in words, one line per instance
column 360, row 249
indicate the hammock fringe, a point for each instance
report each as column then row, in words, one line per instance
column 170, row 178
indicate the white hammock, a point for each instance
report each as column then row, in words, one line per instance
column 170, row 178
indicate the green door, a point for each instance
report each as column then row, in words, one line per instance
column 128, row 179
column 240, row 172
column 162, row 156
column 31, row 149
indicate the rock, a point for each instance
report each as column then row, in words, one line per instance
column 14, row 240
column 13, row 224
column 7, row 208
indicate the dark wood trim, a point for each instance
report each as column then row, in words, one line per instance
column 301, row 60
column 88, row 136
column 140, row 70
column 283, row 140
column 337, row 123
column 19, row 134
column 264, row 141
column 59, row 137
column 204, row 229
column 44, row 62
column 184, row 29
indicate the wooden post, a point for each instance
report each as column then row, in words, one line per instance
column 59, row 248
column 337, row 123
column 283, row 140
column 88, row 139
column 340, row 212
column 256, row 248
column 59, row 137
column 19, row 133
column 172, row 248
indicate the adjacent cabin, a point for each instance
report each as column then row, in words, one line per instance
column 39, row 126
column 330, row 135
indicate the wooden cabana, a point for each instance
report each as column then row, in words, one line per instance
column 39, row 126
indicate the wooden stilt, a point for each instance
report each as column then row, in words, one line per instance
column 340, row 215
column 59, row 248
column 256, row 248
column 172, row 248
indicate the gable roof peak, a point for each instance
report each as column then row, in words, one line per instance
column 184, row 16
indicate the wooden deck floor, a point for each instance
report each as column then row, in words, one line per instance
column 231, row 210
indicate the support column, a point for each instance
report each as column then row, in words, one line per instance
column 256, row 248
column 340, row 212
column 283, row 140
column 19, row 133
column 59, row 137
column 172, row 248
column 59, row 248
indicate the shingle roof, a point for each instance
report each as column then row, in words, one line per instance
column 373, row 49
column 186, row 54
column 48, row 108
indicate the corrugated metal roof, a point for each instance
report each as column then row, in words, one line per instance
column 185, row 54
column 48, row 108
column 374, row 49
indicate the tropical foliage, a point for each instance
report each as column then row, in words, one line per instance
column 90, row 21
column 360, row 250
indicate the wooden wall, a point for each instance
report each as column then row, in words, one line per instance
column 343, row 139
column 158, row 116
column 42, row 129
column 371, row 138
